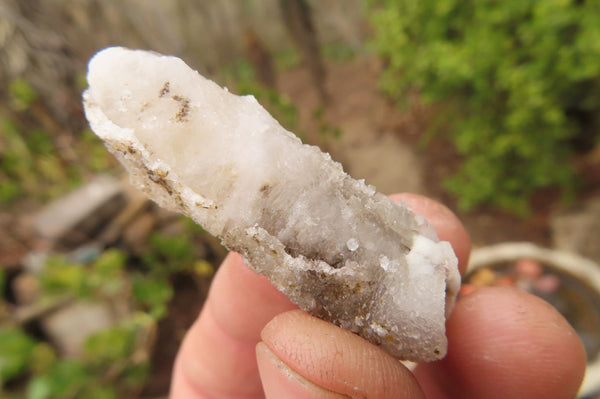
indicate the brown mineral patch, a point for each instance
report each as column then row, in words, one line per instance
column 184, row 109
column 165, row 89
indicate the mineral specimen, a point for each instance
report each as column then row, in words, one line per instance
column 334, row 246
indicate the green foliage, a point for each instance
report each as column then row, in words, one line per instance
column 29, row 161
column 22, row 95
column 16, row 353
column 30, row 164
column 103, row 278
column 97, row 158
column 338, row 52
column 75, row 379
column 169, row 254
column 152, row 293
column 110, row 347
column 61, row 276
column 521, row 78
column 33, row 160
column 114, row 363
column 286, row 59
column 107, row 277
column 326, row 130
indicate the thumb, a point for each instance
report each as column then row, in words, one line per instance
column 280, row 381
column 301, row 356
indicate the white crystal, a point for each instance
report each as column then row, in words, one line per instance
column 384, row 262
column 319, row 235
column 352, row 244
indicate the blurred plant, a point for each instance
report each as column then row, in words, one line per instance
column 34, row 161
column 104, row 278
column 326, row 130
column 338, row 52
column 168, row 255
column 115, row 361
column 286, row 59
column 521, row 79
column 112, row 366
column 16, row 352
column 22, row 95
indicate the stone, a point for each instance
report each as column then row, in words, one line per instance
column 69, row 326
column 136, row 203
column 34, row 262
column 74, row 218
column 26, row 288
column 332, row 244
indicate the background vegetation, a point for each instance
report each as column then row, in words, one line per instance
column 519, row 81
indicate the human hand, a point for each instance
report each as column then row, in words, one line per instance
column 250, row 341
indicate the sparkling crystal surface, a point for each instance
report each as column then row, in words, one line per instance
column 332, row 244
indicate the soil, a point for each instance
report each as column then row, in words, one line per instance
column 184, row 308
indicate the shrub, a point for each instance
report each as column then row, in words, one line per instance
column 522, row 80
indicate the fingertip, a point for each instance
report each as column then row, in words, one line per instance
column 336, row 359
column 504, row 342
column 280, row 381
column 444, row 221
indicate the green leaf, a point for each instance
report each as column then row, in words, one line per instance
column 152, row 294
column 39, row 388
column 22, row 94
column 16, row 349
column 110, row 345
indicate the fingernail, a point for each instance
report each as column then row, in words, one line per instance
column 280, row 381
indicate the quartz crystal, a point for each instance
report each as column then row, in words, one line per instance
column 334, row 246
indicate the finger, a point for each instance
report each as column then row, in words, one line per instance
column 506, row 343
column 308, row 356
column 280, row 381
column 447, row 226
column 217, row 357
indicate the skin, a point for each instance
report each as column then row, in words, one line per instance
column 251, row 342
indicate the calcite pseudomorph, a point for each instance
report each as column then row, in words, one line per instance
column 332, row 244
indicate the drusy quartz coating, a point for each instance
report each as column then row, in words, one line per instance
column 333, row 245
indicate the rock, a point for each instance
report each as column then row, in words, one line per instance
column 74, row 218
column 331, row 243
column 68, row 327
column 86, row 253
column 26, row 288
column 578, row 230
column 35, row 261
column 136, row 203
